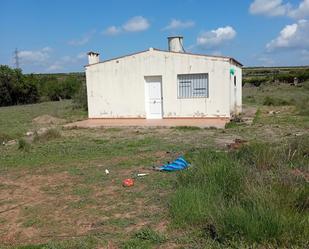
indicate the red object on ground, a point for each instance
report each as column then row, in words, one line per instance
column 128, row 182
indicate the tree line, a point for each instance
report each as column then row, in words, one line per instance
column 260, row 76
column 18, row 88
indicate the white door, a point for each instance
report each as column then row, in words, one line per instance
column 153, row 97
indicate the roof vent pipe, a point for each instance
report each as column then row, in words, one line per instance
column 175, row 44
column 93, row 57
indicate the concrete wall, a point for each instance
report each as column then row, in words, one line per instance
column 116, row 87
column 236, row 91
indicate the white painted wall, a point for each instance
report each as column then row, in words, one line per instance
column 236, row 92
column 116, row 87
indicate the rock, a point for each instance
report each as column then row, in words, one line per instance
column 42, row 131
column 29, row 133
column 11, row 142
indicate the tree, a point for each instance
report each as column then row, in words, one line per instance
column 15, row 88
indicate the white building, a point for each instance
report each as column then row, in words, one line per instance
column 156, row 84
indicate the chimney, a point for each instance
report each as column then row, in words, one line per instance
column 93, row 58
column 175, row 44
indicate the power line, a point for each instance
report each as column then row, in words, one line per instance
column 16, row 57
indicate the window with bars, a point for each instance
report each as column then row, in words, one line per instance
column 192, row 85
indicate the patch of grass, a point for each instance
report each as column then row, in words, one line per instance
column 121, row 222
column 17, row 120
column 113, row 129
column 302, row 106
column 257, row 95
column 249, row 196
column 50, row 134
column 249, row 99
column 144, row 238
column 150, row 235
column 23, row 145
column 257, row 116
column 274, row 101
column 230, row 125
column 82, row 203
column 4, row 137
column 82, row 191
column 296, row 151
column 136, row 244
column 31, row 222
column 186, row 128
column 80, row 243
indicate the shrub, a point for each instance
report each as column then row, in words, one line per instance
column 302, row 106
column 56, row 89
column 272, row 101
column 150, row 235
column 4, row 137
column 80, row 98
column 261, row 156
column 296, row 151
column 15, row 88
column 23, row 145
column 256, row 81
column 249, row 195
column 46, row 136
column 144, row 238
column 257, row 116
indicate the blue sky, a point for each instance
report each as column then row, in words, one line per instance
column 54, row 36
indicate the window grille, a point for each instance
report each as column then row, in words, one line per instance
column 192, row 86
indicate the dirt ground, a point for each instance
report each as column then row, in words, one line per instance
column 36, row 206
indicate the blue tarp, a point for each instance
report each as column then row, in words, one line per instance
column 179, row 164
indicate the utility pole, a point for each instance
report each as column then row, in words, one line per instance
column 16, row 57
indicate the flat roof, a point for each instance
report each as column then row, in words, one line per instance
column 167, row 51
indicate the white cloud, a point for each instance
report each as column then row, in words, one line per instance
column 269, row 7
column 294, row 36
column 83, row 40
column 65, row 61
column 54, row 67
column 267, row 61
column 135, row 24
column 301, row 11
column 34, row 56
column 178, row 24
column 278, row 8
column 81, row 55
column 215, row 38
column 112, row 30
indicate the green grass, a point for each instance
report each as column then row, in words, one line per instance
column 144, row 238
column 23, row 145
column 271, row 101
column 15, row 121
column 248, row 196
column 277, row 95
column 255, row 197
column 186, row 128
column 50, row 134
column 83, row 243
